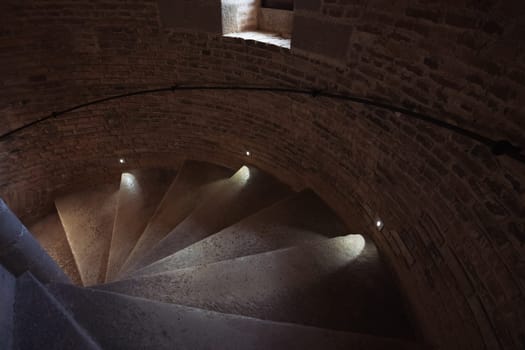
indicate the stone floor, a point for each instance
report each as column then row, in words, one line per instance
column 265, row 37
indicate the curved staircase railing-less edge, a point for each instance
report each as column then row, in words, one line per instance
column 497, row 147
column 206, row 257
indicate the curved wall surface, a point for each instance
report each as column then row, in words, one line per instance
column 454, row 214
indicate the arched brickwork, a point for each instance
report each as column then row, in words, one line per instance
column 454, row 214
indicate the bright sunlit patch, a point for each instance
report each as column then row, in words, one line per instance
column 243, row 174
column 352, row 246
column 359, row 243
column 356, row 244
column 129, row 181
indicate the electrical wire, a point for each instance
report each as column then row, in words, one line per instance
column 497, row 147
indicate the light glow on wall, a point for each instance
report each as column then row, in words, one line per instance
column 242, row 175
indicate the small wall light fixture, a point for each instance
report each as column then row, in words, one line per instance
column 379, row 224
column 122, row 161
column 247, row 153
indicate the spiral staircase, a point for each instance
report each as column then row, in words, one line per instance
column 203, row 258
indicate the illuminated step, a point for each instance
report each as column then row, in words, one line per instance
column 139, row 195
column 294, row 220
column 194, row 182
column 246, row 192
column 335, row 283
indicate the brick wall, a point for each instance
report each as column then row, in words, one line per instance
column 200, row 15
column 454, row 214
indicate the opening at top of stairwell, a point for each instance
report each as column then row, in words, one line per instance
column 269, row 21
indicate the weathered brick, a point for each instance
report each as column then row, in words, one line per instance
column 312, row 5
column 321, row 37
column 57, row 54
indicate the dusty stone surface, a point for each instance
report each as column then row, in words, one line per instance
column 244, row 193
column 338, row 284
column 21, row 252
column 139, row 195
column 50, row 234
column 302, row 217
column 194, row 181
column 41, row 321
column 113, row 319
column 7, row 302
column 268, row 37
column 87, row 217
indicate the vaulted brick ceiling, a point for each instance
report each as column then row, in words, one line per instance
column 454, row 214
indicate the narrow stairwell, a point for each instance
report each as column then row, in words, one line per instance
column 203, row 258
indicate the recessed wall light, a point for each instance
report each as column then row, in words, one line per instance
column 122, row 161
column 248, row 153
column 379, row 224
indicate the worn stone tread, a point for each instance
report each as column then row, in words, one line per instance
column 124, row 322
column 41, row 322
column 337, row 283
column 7, row 303
column 87, row 217
column 194, row 181
column 50, row 234
column 299, row 218
column 139, row 195
column 246, row 192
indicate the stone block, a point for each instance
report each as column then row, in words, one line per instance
column 312, row 5
column 7, row 300
column 200, row 15
column 321, row 37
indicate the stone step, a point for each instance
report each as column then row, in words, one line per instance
column 7, row 304
column 41, row 322
column 194, row 181
column 51, row 235
column 139, row 195
column 338, row 283
column 87, row 217
column 21, row 252
column 123, row 322
column 294, row 220
column 246, row 192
